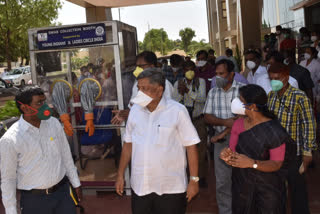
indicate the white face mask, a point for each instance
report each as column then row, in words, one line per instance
column 175, row 69
column 141, row 99
column 87, row 73
column 307, row 56
column 314, row 38
column 237, row 107
column 251, row 64
column 201, row 63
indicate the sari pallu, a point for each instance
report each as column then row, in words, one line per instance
column 253, row 191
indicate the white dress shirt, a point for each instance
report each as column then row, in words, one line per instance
column 158, row 142
column 314, row 68
column 253, row 78
column 34, row 158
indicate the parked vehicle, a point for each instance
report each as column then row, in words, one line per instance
column 18, row 76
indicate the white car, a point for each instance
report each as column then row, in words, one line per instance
column 18, row 76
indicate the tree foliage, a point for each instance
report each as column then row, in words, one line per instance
column 156, row 40
column 9, row 110
column 16, row 17
column 77, row 63
column 186, row 35
column 195, row 46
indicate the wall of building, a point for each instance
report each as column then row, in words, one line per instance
column 227, row 30
column 240, row 25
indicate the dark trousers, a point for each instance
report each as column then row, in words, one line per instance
column 297, row 188
column 59, row 202
column 201, row 128
column 159, row 204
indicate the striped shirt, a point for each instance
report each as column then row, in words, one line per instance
column 171, row 76
column 194, row 98
column 219, row 102
column 295, row 114
column 34, row 158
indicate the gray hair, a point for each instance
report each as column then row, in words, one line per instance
column 154, row 75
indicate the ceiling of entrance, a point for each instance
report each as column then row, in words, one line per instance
column 118, row 3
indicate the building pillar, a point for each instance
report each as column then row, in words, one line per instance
column 96, row 14
column 250, row 24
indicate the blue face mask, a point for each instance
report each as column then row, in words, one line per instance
column 276, row 85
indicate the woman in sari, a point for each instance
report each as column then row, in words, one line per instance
column 259, row 152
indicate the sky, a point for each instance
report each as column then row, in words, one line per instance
column 172, row 17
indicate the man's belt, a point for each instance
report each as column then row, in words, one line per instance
column 49, row 190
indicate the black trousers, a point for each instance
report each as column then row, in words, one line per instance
column 59, row 202
column 297, row 188
column 159, row 204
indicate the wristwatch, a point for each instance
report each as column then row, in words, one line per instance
column 194, row 178
column 255, row 165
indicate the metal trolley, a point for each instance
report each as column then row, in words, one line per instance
column 57, row 53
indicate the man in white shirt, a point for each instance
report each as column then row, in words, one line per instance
column 144, row 60
column 191, row 92
column 258, row 74
column 36, row 159
column 159, row 133
column 253, row 63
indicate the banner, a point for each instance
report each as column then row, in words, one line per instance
column 58, row 38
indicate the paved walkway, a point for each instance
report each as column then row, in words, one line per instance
column 205, row 203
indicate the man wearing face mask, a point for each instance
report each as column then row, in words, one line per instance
column 217, row 112
column 148, row 59
column 176, row 72
column 237, row 76
column 84, row 73
column 253, row 63
column 297, row 72
column 36, row 159
column 144, row 60
column 191, row 92
column 313, row 65
column 204, row 69
column 271, row 58
column 159, row 134
column 315, row 39
column 294, row 111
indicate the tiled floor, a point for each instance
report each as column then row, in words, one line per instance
column 205, row 203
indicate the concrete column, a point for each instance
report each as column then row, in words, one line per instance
column 96, row 14
column 250, row 23
column 218, row 8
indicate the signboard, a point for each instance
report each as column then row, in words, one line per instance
column 71, row 36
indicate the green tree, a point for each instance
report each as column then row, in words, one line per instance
column 77, row 63
column 16, row 17
column 197, row 46
column 186, row 35
column 156, row 40
column 141, row 47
